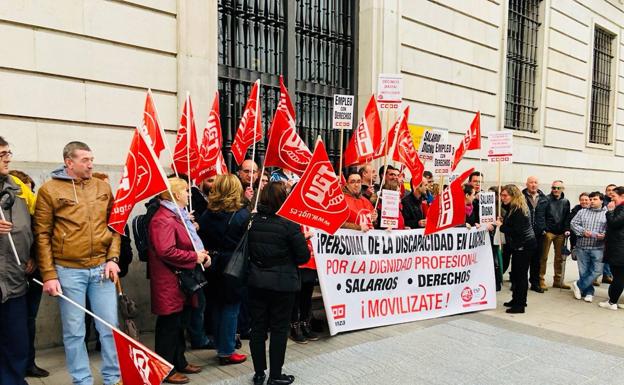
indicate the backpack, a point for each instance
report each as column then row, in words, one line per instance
column 140, row 228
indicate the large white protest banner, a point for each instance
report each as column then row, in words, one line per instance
column 382, row 278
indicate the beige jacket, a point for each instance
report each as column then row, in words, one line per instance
column 70, row 224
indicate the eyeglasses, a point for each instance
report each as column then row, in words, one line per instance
column 557, row 188
column 6, row 154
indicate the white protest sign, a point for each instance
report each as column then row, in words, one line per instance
column 442, row 159
column 500, row 146
column 390, row 209
column 430, row 138
column 389, row 91
column 487, row 207
column 342, row 118
column 382, row 278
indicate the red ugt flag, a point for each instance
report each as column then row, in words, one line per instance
column 151, row 126
column 471, row 141
column 250, row 127
column 284, row 104
column 404, row 151
column 138, row 364
column 317, row 200
column 366, row 139
column 186, row 152
column 285, row 148
column 143, row 177
column 211, row 160
column 448, row 209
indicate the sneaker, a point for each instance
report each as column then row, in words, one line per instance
column 576, row 291
column 608, row 305
column 620, row 306
column 232, row 359
column 589, row 298
column 307, row 332
column 296, row 334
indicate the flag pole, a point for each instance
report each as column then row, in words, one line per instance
column 189, row 127
column 162, row 132
column 383, row 179
column 95, row 316
column 253, row 148
column 255, row 209
column 341, row 150
column 10, row 239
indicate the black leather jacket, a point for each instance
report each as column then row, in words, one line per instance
column 557, row 213
column 614, row 239
column 517, row 229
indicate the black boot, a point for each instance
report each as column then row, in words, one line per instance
column 307, row 332
column 283, row 379
column 296, row 334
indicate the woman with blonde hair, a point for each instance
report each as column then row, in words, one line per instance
column 172, row 248
column 516, row 225
column 221, row 227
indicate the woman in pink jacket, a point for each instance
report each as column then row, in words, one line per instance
column 171, row 249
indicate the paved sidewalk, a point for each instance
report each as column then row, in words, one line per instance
column 559, row 340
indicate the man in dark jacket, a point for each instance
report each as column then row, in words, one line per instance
column 13, row 284
column 537, row 202
column 555, row 232
column 414, row 206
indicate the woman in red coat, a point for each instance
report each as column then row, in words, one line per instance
column 171, row 249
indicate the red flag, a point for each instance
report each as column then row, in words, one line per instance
column 211, row 160
column 404, row 151
column 471, row 140
column 151, row 128
column 250, row 127
column 285, row 148
column 137, row 364
column 186, row 152
column 390, row 137
column 448, row 209
column 143, row 177
column 366, row 139
column 284, row 104
column 317, row 200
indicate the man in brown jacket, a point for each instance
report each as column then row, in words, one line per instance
column 78, row 257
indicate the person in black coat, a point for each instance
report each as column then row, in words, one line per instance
column 536, row 201
column 276, row 247
column 414, row 206
column 516, row 225
column 614, row 247
column 221, row 227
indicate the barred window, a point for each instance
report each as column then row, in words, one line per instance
column 599, row 123
column 310, row 42
column 522, row 46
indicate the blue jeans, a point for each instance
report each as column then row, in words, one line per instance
column 606, row 271
column 224, row 321
column 196, row 325
column 77, row 284
column 590, row 267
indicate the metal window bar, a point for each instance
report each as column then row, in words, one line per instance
column 599, row 124
column 253, row 44
column 522, row 44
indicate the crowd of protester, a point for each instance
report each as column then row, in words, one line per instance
column 64, row 229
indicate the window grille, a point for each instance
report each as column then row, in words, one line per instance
column 599, row 124
column 522, row 46
column 310, row 42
